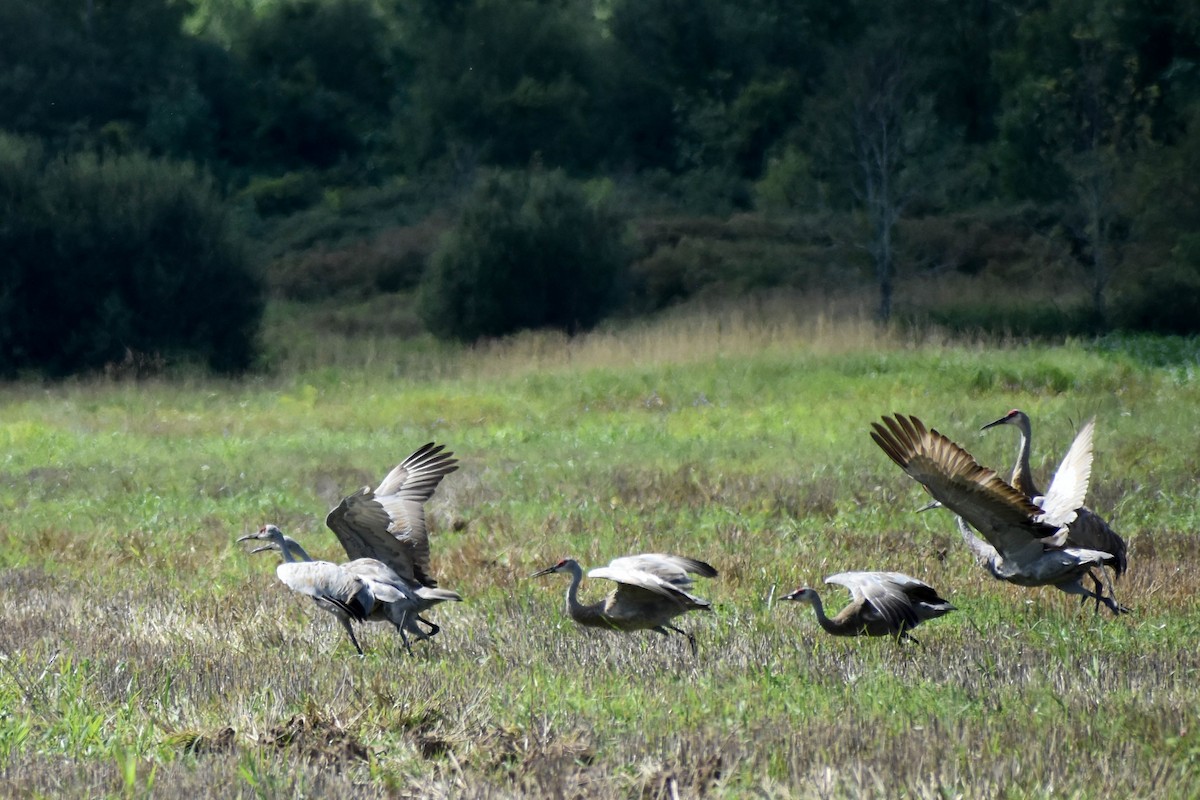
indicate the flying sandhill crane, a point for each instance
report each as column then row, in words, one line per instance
column 387, row 525
column 396, row 600
column 1088, row 530
column 1028, row 539
column 882, row 604
column 652, row 589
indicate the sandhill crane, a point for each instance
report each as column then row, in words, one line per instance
column 1028, row 539
column 1088, row 530
column 652, row 589
column 334, row 587
column 882, row 604
column 397, row 601
column 387, row 526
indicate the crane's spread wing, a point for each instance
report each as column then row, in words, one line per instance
column 676, row 569
column 1005, row 517
column 1070, row 484
column 636, row 584
column 389, row 523
column 885, row 592
column 361, row 525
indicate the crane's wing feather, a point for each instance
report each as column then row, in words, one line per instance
column 1089, row 530
column 636, row 583
column 676, row 569
column 1005, row 517
column 361, row 525
column 1070, row 483
column 389, row 523
column 885, row 592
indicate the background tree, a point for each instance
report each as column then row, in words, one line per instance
column 530, row 250
column 106, row 257
column 1080, row 108
column 868, row 128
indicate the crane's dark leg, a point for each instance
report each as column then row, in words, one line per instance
column 400, row 626
column 905, row 636
column 422, row 635
column 349, row 630
column 691, row 639
column 1077, row 587
column 1097, row 587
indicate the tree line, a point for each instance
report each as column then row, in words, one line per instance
column 1088, row 110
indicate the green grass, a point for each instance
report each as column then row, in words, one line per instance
column 144, row 653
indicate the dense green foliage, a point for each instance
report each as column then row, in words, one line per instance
column 122, row 259
column 529, row 251
column 879, row 119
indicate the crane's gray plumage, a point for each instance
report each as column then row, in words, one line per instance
column 1069, row 564
column 881, row 604
column 385, row 535
column 1088, row 530
column 397, row 601
column 1027, row 538
column 652, row 589
column 337, row 588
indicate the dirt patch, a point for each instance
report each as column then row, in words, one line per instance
column 317, row 739
column 194, row 742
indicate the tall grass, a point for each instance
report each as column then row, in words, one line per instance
column 143, row 653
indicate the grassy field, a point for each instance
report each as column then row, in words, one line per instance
column 144, row 653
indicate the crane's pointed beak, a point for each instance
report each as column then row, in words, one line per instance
column 929, row 505
column 248, row 537
column 1000, row 421
column 540, row 573
column 260, row 549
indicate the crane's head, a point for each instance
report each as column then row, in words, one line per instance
column 268, row 533
column 802, row 595
column 564, row 565
column 1014, row 417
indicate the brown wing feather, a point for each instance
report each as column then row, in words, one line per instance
column 1004, row 516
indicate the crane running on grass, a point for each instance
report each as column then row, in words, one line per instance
column 394, row 599
column 385, row 535
column 882, row 604
column 1028, row 540
column 652, row 589
column 1088, row 530
column 340, row 589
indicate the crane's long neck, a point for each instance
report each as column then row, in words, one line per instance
column 292, row 551
column 581, row 613
column 819, row 609
column 1022, row 474
column 982, row 550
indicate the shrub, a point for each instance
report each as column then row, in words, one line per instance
column 283, row 194
column 528, row 251
column 391, row 261
column 110, row 257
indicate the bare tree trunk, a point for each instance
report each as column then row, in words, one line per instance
column 878, row 121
